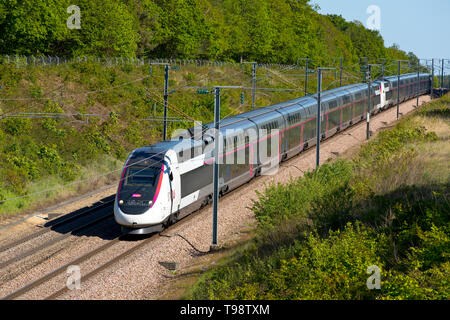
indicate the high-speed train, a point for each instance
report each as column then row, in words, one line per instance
column 166, row 181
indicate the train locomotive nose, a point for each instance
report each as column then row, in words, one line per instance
column 140, row 185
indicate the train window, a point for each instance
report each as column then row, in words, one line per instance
column 196, row 179
column 346, row 99
column 333, row 105
column 180, row 154
column 141, row 176
column 389, row 95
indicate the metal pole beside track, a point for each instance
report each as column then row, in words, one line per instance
column 319, row 89
column 254, row 85
column 216, row 165
column 253, row 82
column 166, row 95
column 318, row 120
column 369, row 99
column 340, row 73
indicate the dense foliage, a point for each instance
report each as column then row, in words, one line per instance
column 261, row 30
column 386, row 207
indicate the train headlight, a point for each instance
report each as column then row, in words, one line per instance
column 150, row 202
column 121, row 202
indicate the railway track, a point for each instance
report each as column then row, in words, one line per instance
column 97, row 251
column 104, row 266
column 58, row 222
column 37, row 247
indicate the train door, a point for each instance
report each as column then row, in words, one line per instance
column 283, row 137
column 324, row 119
column 175, row 185
column 382, row 95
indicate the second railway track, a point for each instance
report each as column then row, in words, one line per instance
column 58, row 222
column 62, row 288
column 36, row 247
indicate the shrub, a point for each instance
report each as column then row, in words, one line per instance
column 50, row 125
column 282, row 202
column 50, row 159
column 317, row 268
column 17, row 126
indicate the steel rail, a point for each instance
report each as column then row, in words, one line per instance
column 54, row 240
column 54, row 273
column 59, row 222
column 88, row 255
column 104, row 266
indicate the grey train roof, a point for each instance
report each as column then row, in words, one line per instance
column 305, row 105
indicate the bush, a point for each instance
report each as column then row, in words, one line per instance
column 298, row 196
column 17, row 126
column 318, row 268
column 50, row 159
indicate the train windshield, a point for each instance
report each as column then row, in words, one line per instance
column 141, row 176
column 141, row 183
column 142, row 172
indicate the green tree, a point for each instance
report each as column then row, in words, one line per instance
column 183, row 30
column 107, row 29
column 32, row 26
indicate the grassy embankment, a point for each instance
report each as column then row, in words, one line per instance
column 386, row 206
column 52, row 154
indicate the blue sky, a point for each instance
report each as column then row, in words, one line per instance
column 420, row 26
